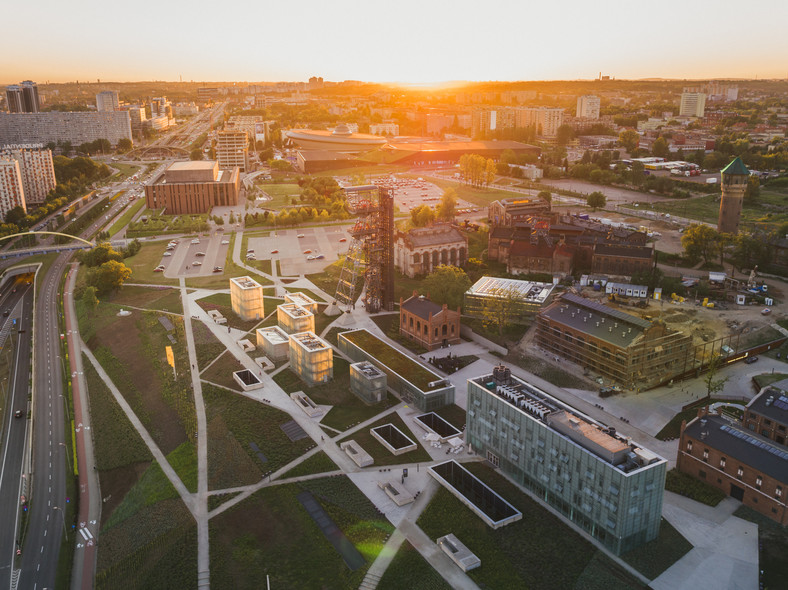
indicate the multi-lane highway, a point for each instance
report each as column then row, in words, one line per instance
column 17, row 299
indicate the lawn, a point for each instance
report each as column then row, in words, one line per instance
column 656, row 556
column 768, row 378
column 221, row 371
column 221, row 302
column 317, row 463
column 389, row 323
column 512, row 332
column 208, row 347
column 686, row 485
column 249, row 421
column 386, row 355
column 525, row 553
column 127, row 216
column 348, row 409
column 773, row 544
column 381, row 454
column 143, row 263
column 454, row 415
column 281, row 194
column 132, row 351
column 768, row 212
column 161, row 298
column 270, row 533
column 327, row 280
column 123, row 171
column 410, row 570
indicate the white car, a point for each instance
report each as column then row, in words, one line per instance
column 195, row 241
column 196, row 263
column 225, row 242
column 167, row 254
column 310, row 257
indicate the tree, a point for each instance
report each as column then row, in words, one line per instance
column 714, row 385
column 490, row 171
column 596, row 200
column 448, row 205
column 753, row 190
column 422, row 216
column 108, row 277
column 564, row 134
column 15, row 215
column 637, row 173
column 546, row 196
column 124, row 145
column 447, row 284
column 700, row 242
column 498, row 311
column 89, row 297
column 97, row 256
column 629, row 139
column 195, row 154
column 660, row 147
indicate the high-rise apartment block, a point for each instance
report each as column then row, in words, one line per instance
column 232, row 150
column 693, row 104
column 11, row 191
column 588, row 106
column 735, row 177
column 544, row 120
column 74, row 127
column 36, row 169
column 23, row 98
column 107, row 101
column 603, row 482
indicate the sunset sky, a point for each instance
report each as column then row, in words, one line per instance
column 408, row 40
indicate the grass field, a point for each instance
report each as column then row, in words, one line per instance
column 524, row 552
column 220, row 371
column 348, row 410
column 546, row 371
column 410, row 570
column 381, row 454
column 270, row 533
column 249, row 421
column 317, row 463
column 143, row 263
column 686, row 485
column 124, row 171
column 281, row 194
column 221, row 303
column 163, row 299
column 208, row 347
column 127, row 216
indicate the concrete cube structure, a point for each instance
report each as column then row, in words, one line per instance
column 246, row 296
column 303, row 300
column 274, row 341
column 293, row 318
column 311, row 358
column 367, row 382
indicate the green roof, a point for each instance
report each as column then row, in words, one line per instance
column 736, row 167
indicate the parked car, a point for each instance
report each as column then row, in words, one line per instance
column 217, row 269
column 766, row 311
column 319, row 257
column 274, row 251
column 195, row 241
column 158, row 269
column 167, row 254
column 300, row 235
column 750, row 360
column 225, row 242
column 197, row 263
column 343, row 239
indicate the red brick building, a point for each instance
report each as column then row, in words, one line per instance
column 527, row 257
column 767, row 413
column 619, row 259
column 428, row 323
column 745, row 465
column 193, row 188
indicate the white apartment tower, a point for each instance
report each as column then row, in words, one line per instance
column 11, row 191
column 545, row 120
column 36, row 169
column 232, row 149
column 107, row 101
column 588, row 106
column 693, row 104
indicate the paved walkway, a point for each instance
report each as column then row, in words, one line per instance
column 725, row 548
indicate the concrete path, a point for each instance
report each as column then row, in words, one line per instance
column 725, row 548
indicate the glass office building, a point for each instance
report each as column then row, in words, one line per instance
column 603, row 482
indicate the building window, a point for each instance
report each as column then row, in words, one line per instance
column 778, row 493
column 722, row 463
column 759, row 481
column 740, row 472
column 765, row 432
column 689, row 446
column 492, row 458
column 751, row 426
column 705, row 454
column 767, row 422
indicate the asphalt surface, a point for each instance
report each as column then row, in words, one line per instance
column 14, row 429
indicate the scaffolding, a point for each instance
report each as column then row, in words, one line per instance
column 371, row 249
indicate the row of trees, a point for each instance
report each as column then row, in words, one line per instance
column 477, row 170
column 106, row 270
column 704, row 243
column 423, row 215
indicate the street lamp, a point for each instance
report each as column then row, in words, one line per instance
column 63, row 517
column 68, row 459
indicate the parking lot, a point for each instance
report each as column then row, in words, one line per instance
column 185, row 262
column 293, row 252
column 413, row 192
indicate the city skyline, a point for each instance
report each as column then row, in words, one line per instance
column 418, row 43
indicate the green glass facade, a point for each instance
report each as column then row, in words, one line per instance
column 618, row 504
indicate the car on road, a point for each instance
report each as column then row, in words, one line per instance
column 197, row 263
column 159, row 269
column 225, row 242
column 167, row 254
column 319, row 257
column 310, row 257
column 18, row 414
column 200, row 254
column 274, row 251
column 307, row 251
column 217, row 269
column 343, row 239
column 750, row 360
column 6, row 313
column 300, row 235
column 195, row 241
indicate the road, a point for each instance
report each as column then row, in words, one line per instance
column 14, row 429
